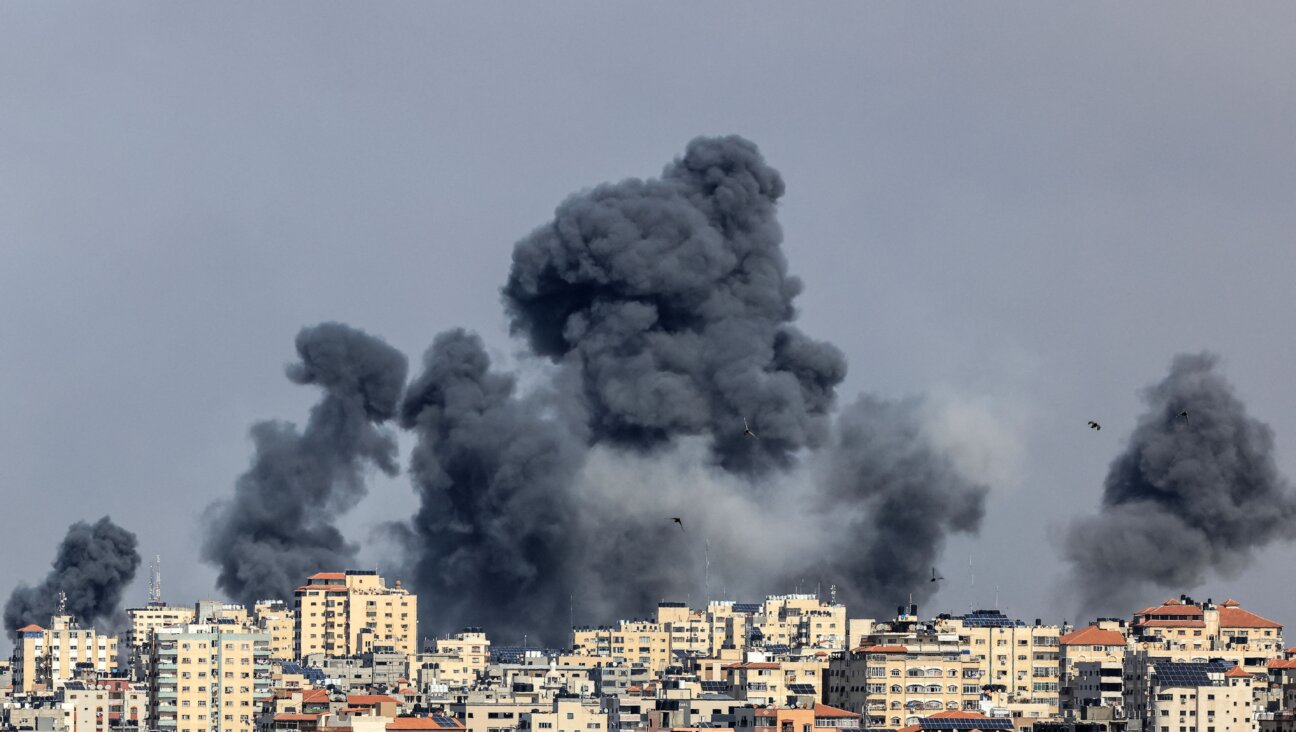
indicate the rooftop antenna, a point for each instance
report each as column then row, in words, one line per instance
column 832, row 593
column 155, row 580
column 62, row 603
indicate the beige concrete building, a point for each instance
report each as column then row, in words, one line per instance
column 105, row 705
column 1193, row 697
column 349, row 613
column 894, row 685
column 1090, row 665
column 471, row 647
column 277, row 620
column 567, row 715
column 1184, row 631
column 47, row 658
column 1018, row 659
column 802, row 620
column 207, row 678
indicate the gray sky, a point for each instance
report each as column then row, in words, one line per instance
column 1023, row 209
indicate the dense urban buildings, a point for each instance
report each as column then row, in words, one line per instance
column 347, row 656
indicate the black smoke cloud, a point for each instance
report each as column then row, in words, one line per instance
column 665, row 309
column 1186, row 497
column 900, row 497
column 493, row 540
column 93, row 565
column 672, row 300
column 279, row 526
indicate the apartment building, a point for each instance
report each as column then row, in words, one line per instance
column 1090, row 665
column 348, row 613
column 1192, row 697
column 207, row 678
column 47, row 658
column 276, row 619
column 1013, row 656
column 142, row 622
column 104, row 705
column 568, row 715
column 1185, row 631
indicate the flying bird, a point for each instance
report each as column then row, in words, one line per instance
column 679, row 521
column 1094, row 425
column 936, row 577
column 1184, row 414
column 747, row 430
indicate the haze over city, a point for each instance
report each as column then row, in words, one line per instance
column 1005, row 223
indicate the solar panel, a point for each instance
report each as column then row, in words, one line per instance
column 988, row 723
column 445, row 721
column 746, row 607
column 1187, row 675
column 715, row 686
column 801, row 688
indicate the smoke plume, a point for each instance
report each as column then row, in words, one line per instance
column 664, row 309
column 671, row 298
column 279, row 526
column 1190, row 494
column 899, row 497
column 493, row 539
column 93, row 565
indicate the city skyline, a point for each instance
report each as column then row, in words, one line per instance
column 1027, row 235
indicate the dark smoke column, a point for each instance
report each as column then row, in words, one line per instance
column 93, row 565
column 279, row 526
column 1187, row 496
column 900, row 497
column 672, row 299
column 494, row 536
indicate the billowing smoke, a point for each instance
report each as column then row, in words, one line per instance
column 93, row 565
column 493, row 539
column 279, row 526
column 1192, row 493
column 899, row 497
column 665, row 309
column 671, row 298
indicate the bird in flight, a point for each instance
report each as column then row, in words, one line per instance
column 1094, row 425
column 679, row 521
column 1184, row 414
column 747, row 430
column 936, row 577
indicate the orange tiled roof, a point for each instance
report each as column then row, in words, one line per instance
column 823, row 710
column 1282, row 663
column 879, row 649
column 1176, row 608
column 1092, row 636
column 313, row 696
column 1232, row 616
column 296, row 717
column 30, row 629
column 327, row 576
column 1236, row 672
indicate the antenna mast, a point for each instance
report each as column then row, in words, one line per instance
column 155, row 580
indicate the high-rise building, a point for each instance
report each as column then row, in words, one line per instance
column 349, row 613
column 279, row 620
column 50, row 657
column 207, row 678
column 143, row 620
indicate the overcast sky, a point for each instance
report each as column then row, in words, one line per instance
column 1024, row 210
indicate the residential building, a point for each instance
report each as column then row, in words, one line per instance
column 1091, row 662
column 47, row 658
column 348, row 613
column 1185, row 631
column 207, row 678
column 276, row 619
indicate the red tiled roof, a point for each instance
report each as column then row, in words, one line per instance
column 823, row 710
column 1230, row 603
column 1236, row 672
column 1175, row 609
column 313, row 696
column 1231, row 616
column 879, row 649
column 1092, row 636
column 1282, row 663
column 30, row 629
column 328, row 576
column 296, row 717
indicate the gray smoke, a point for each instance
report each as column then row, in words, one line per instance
column 93, row 565
column 279, row 526
column 671, row 298
column 1188, row 496
column 493, row 539
column 666, row 308
column 899, row 497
